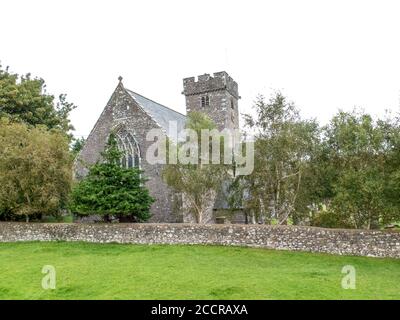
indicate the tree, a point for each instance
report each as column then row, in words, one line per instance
column 77, row 145
column 359, row 151
column 24, row 99
column 111, row 190
column 392, row 192
column 198, row 182
column 35, row 170
column 283, row 147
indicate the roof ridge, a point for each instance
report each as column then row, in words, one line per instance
column 157, row 103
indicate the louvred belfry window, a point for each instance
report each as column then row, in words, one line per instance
column 205, row 101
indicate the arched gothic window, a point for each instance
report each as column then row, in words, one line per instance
column 130, row 149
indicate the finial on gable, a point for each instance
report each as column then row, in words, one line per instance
column 120, row 79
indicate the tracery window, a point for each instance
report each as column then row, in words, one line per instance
column 130, row 149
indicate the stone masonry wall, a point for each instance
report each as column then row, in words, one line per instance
column 333, row 241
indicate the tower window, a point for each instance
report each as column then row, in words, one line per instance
column 232, row 104
column 205, row 101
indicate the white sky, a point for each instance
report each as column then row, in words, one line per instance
column 324, row 55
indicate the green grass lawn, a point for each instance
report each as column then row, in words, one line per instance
column 114, row 271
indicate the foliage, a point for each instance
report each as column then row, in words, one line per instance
column 284, row 144
column 350, row 167
column 24, row 99
column 391, row 127
column 77, row 145
column 199, row 183
column 111, row 190
column 358, row 154
column 35, row 170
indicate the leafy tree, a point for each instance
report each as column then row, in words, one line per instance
column 24, row 99
column 198, row 182
column 392, row 192
column 111, row 190
column 358, row 152
column 77, row 145
column 283, row 147
column 35, row 170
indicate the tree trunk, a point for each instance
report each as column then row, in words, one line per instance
column 253, row 217
column 374, row 222
column 201, row 213
column 284, row 222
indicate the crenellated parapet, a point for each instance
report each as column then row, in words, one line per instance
column 207, row 83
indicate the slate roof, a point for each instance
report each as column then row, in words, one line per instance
column 160, row 113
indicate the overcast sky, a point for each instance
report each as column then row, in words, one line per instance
column 324, row 55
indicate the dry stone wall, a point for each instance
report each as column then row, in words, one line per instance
column 333, row 241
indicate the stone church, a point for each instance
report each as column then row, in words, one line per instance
column 131, row 115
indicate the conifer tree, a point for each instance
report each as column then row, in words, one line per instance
column 111, row 190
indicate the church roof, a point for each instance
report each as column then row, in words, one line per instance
column 160, row 113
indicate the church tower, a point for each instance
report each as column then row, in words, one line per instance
column 216, row 95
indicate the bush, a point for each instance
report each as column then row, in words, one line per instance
column 35, row 171
column 330, row 219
